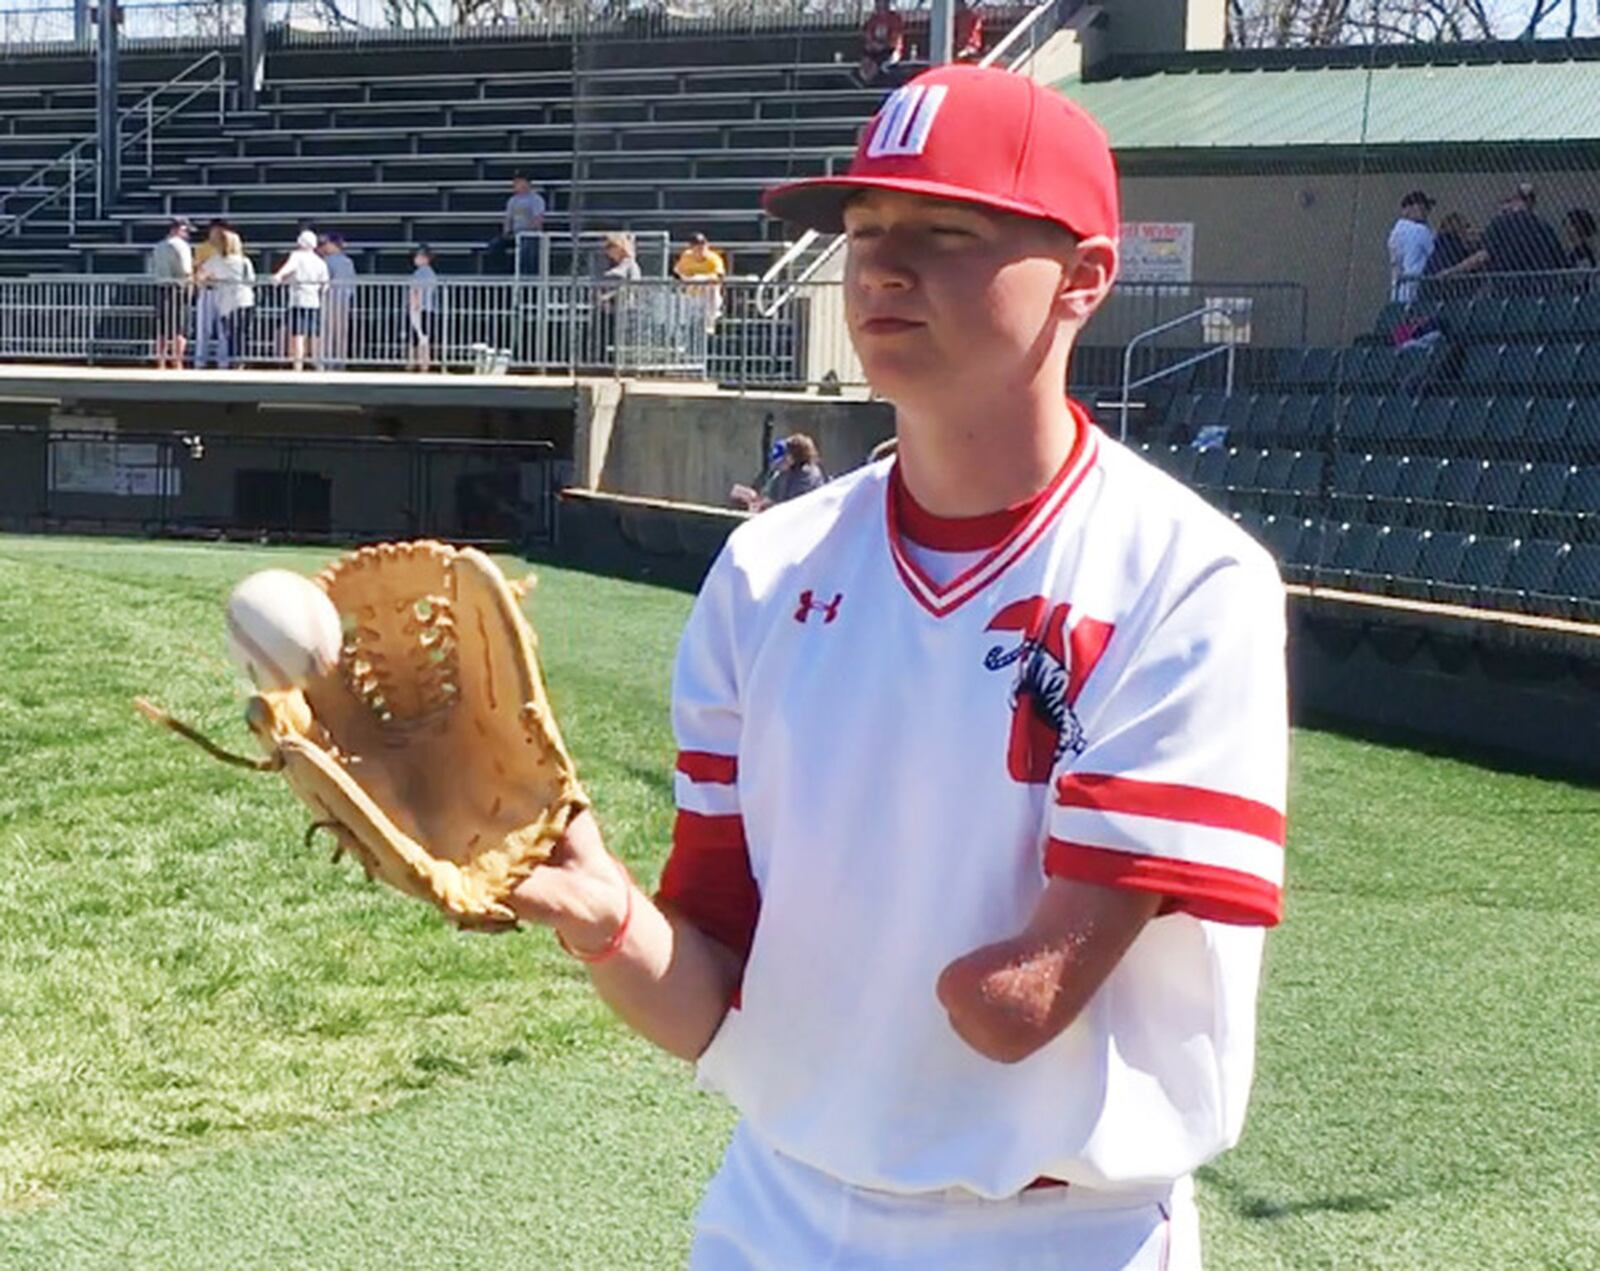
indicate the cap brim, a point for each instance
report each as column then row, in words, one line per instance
column 819, row 203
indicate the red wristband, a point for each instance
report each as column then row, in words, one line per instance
column 613, row 945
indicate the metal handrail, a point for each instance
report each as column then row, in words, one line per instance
column 803, row 244
column 70, row 158
column 1129, row 383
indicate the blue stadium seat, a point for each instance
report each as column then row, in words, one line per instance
column 1583, row 429
column 1470, row 421
column 1235, row 412
column 1480, row 576
column 1481, row 366
column 1319, row 367
column 1585, row 370
column 1522, row 318
column 1440, row 561
column 1458, row 481
column 1501, row 484
column 1305, row 475
column 1399, row 555
column 1243, row 464
column 1352, row 552
column 1209, row 468
column 1262, row 418
column 1414, row 490
column 1346, row 475
column 1206, row 409
column 1393, row 424
column 1412, row 367
column 1577, row 581
column 1582, row 502
column 1556, row 316
column 1349, row 366
column 1555, row 365
column 1484, row 318
column 1453, row 315
column 1308, row 554
column 1539, row 500
column 1359, row 422
column 1585, row 320
column 1180, row 462
column 1519, row 364
column 1531, row 574
column 1548, row 422
column 1430, row 426
column 1281, row 535
column 1378, row 369
column 1288, row 366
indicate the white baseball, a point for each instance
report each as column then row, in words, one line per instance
column 283, row 631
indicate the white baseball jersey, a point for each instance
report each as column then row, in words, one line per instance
column 878, row 770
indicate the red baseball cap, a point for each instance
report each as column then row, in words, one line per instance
column 976, row 135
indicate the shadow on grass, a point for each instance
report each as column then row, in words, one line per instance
column 1263, row 1209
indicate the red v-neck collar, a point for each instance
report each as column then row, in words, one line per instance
column 1003, row 536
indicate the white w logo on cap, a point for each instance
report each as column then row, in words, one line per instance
column 905, row 121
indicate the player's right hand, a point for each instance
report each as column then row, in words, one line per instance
column 581, row 891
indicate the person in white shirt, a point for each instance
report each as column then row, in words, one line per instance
column 229, row 279
column 307, row 276
column 525, row 213
column 982, row 766
column 172, row 268
column 1410, row 245
column 338, row 306
column 422, row 309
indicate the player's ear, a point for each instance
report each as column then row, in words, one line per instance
column 1087, row 279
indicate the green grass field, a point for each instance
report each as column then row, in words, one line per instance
column 220, row 1051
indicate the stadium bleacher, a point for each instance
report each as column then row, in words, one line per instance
column 1464, row 473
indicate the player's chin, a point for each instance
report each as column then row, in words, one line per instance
column 896, row 372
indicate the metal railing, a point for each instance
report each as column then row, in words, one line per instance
column 79, row 160
column 1222, row 320
column 556, row 326
column 811, row 252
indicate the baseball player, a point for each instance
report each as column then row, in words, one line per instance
column 982, row 766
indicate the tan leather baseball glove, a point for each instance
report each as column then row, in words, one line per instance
column 430, row 751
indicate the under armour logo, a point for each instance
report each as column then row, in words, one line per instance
column 905, row 121
column 809, row 605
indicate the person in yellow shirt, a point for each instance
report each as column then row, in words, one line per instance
column 700, row 266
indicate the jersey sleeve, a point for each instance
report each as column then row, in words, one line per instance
column 707, row 877
column 1181, row 786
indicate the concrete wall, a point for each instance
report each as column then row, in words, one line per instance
column 1326, row 230
column 691, row 446
column 1163, row 26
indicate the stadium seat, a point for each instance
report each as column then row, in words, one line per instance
column 1294, row 421
column 1440, row 562
column 1350, row 555
column 1350, row 365
column 1398, row 560
column 1470, row 421
column 1209, row 467
column 1412, row 367
column 1414, row 488
column 1585, row 319
column 1585, row 369
column 1548, row 422
column 1380, row 476
column 1393, row 424
column 1243, row 465
column 1556, row 316
column 1250, row 521
column 1539, row 499
column 1319, row 367
column 1480, row 576
column 1583, row 428
column 1555, row 365
column 1345, row 477
column 1261, row 419
column 1377, row 369
column 1481, row 366
column 1235, row 412
column 1288, row 367
column 1430, row 423
column 1522, row 317
column 1180, row 461
column 1281, row 535
column 1359, row 420
column 1206, row 409
column 1530, row 575
column 1581, row 501
column 1577, row 581
column 1500, row 484
column 1520, row 364
column 1458, row 481
column 1483, row 319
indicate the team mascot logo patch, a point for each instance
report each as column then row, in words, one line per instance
column 1053, row 661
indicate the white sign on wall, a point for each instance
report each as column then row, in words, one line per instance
column 1157, row 251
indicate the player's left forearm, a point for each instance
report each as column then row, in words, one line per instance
column 1008, row 999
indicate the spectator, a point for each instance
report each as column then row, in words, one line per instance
column 172, row 268
column 1579, row 224
column 339, row 304
column 525, row 211
column 1516, row 241
column 307, row 276
column 1453, row 243
column 229, row 280
column 883, row 42
column 703, row 269
column 422, row 309
column 799, row 472
column 966, row 44
column 1410, row 245
column 205, row 306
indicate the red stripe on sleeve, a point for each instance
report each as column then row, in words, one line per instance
column 707, row 879
column 1205, row 891
column 1192, row 804
column 702, row 765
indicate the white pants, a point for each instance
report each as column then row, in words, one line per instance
column 767, row 1212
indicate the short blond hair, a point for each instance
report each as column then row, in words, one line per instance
column 232, row 244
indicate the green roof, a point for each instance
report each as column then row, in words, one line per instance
column 1495, row 103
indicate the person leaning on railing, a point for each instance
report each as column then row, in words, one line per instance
column 228, row 277
column 172, row 268
column 703, row 269
column 306, row 273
